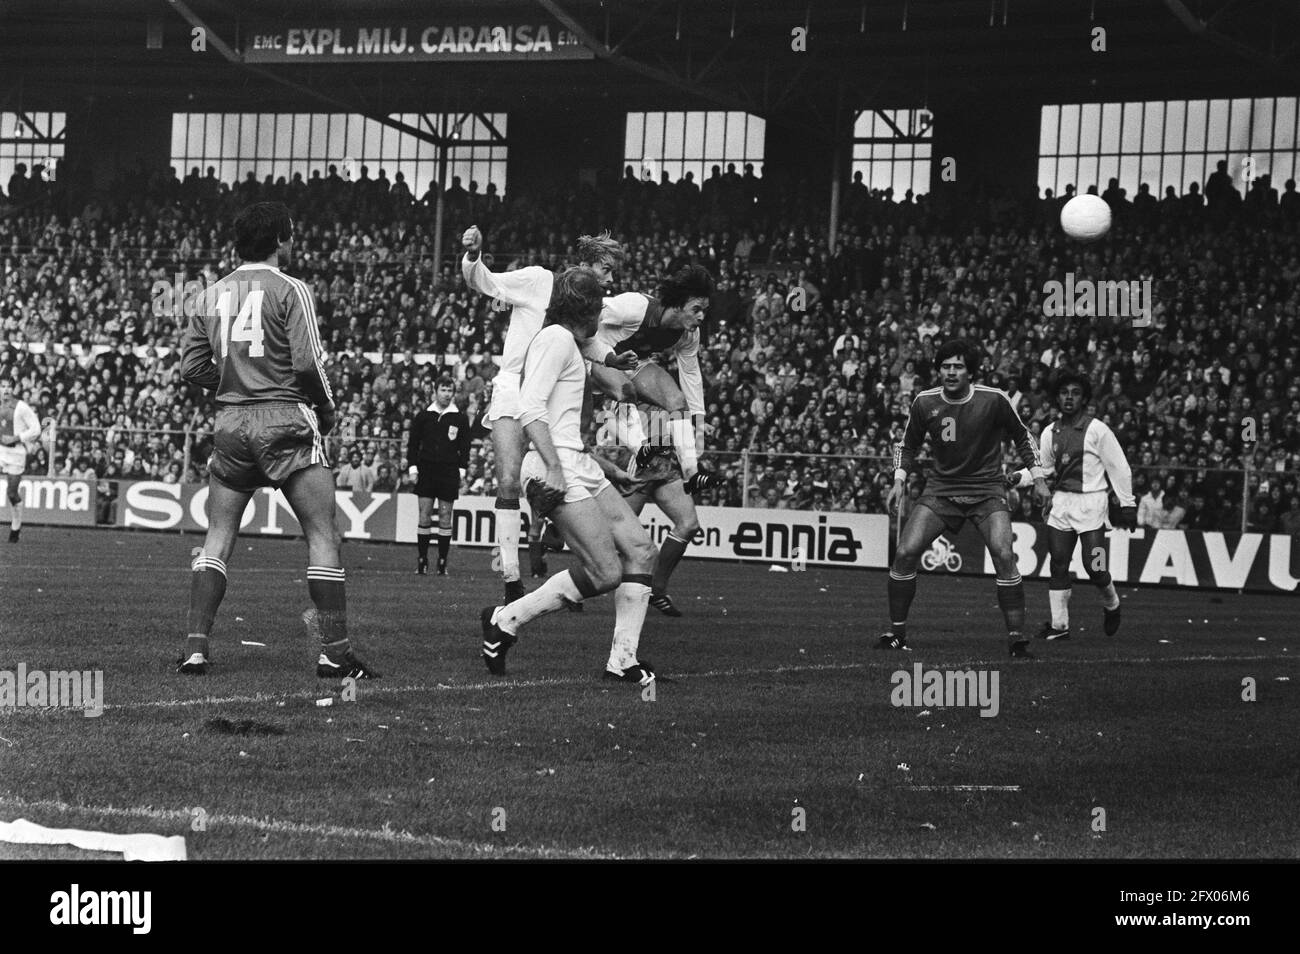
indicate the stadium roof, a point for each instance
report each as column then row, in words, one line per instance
column 711, row 54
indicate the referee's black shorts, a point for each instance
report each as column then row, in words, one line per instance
column 440, row 481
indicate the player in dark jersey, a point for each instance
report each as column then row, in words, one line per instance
column 439, row 450
column 1082, row 455
column 649, row 327
column 253, row 339
column 966, row 425
column 659, row 480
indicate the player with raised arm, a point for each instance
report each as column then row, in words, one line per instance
column 255, row 342
column 648, row 327
column 966, row 425
column 566, row 484
column 528, row 292
column 19, row 426
column 1082, row 453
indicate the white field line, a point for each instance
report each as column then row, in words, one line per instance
column 365, row 689
column 281, row 826
column 965, row 788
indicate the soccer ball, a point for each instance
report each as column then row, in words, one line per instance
column 1086, row 218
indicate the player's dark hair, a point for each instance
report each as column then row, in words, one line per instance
column 575, row 296
column 444, row 381
column 593, row 248
column 260, row 228
column 693, row 281
column 959, row 348
column 1065, row 378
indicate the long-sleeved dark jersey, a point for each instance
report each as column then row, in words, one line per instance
column 439, row 438
column 965, row 441
column 254, row 339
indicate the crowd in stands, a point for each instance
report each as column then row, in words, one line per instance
column 809, row 350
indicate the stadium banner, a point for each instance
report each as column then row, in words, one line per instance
column 52, row 500
column 726, row 533
column 1187, row 558
column 429, row 40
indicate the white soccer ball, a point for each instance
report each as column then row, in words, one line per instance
column 1086, row 218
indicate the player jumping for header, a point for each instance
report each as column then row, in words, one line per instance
column 19, row 426
column 256, row 343
column 528, row 292
column 566, row 484
column 1082, row 452
column 966, row 425
column 648, row 328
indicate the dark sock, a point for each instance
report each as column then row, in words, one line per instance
column 325, row 584
column 901, row 592
column 422, row 541
column 536, row 551
column 207, row 589
column 444, row 545
column 1011, row 600
column 670, row 554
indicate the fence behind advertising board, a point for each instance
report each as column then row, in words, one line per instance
column 1185, row 558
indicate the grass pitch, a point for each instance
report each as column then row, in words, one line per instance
column 778, row 718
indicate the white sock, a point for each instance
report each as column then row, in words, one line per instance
column 1109, row 598
column 16, row 521
column 508, row 540
column 1059, row 600
column 630, row 602
column 683, row 432
column 547, row 598
column 628, row 423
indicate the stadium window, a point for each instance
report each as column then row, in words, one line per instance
column 31, row 139
column 891, row 148
column 695, row 142
column 281, row 144
column 1171, row 143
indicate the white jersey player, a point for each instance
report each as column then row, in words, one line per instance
column 648, row 327
column 1082, row 455
column 19, row 426
column 613, row 549
column 528, row 292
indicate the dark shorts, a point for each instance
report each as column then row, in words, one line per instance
column 440, row 481
column 663, row 468
column 263, row 445
column 955, row 511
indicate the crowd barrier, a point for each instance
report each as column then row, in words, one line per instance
column 791, row 538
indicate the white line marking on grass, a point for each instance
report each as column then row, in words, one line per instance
column 583, row 680
column 283, row 827
column 966, row 788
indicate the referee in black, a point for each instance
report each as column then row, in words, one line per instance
column 439, row 449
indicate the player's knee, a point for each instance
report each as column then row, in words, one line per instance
column 15, row 498
column 604, row 575
column 687, row 530
column 642, row 557
column 676, row 406
column 1004, row 562
column 508, row 484
column 906, row 559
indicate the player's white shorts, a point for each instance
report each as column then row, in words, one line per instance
column 13, row 460
column 1079, row 512
column 505, row 397
column 583, row 478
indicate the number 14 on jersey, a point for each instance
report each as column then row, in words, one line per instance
column 247, row 324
